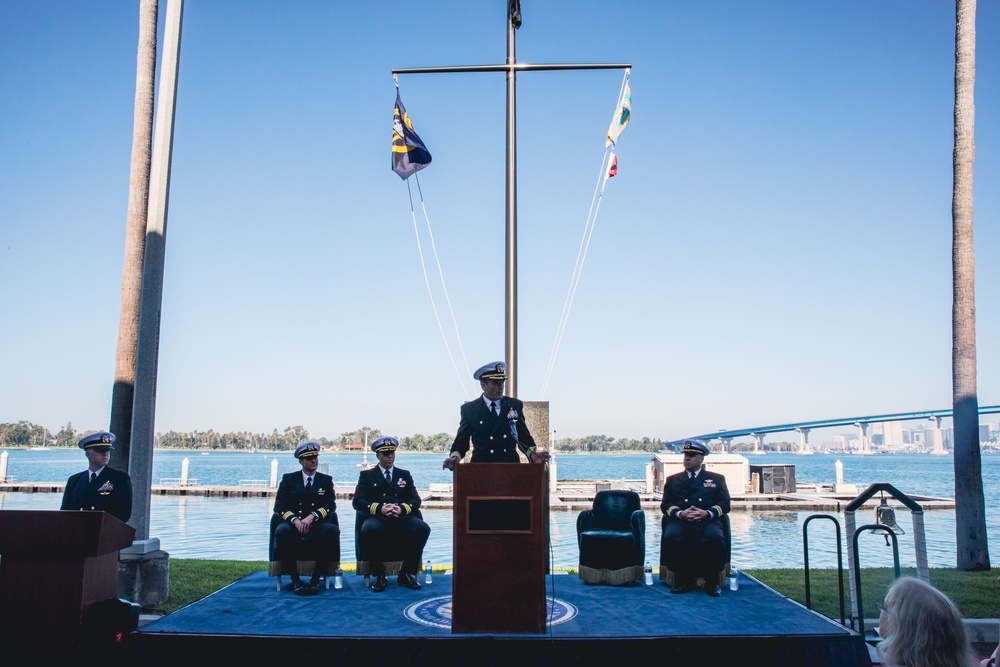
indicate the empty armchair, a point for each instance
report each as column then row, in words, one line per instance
column 612, row 539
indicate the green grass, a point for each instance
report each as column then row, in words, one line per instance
column 975, row 593
column 191, row 580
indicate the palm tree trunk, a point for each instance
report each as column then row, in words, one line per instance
column 135, row 237
column 972, row 549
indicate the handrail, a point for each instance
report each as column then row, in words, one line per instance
column 840, row 562
column 857, row 566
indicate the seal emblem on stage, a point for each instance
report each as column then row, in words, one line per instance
column 436, row 612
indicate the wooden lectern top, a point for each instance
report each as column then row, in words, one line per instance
column 72, row 534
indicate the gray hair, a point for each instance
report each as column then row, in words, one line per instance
column 925, row 628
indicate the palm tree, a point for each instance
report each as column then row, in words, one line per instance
column 970, row 507
column 135, row 236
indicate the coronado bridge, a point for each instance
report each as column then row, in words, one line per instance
column 862, row 423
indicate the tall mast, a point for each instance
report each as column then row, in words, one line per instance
column 510, row 235
column 511, row 68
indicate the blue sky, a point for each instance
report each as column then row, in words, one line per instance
column 776, row 246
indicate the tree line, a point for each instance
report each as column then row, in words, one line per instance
column 27, row 434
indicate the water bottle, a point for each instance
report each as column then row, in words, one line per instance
column 338, row 579
column 648, row 570
column 427, row 573
column 734, row 582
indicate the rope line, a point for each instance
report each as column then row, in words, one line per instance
column 444, row 287
column 574, row 280
column 430, row 293
column 581, row 254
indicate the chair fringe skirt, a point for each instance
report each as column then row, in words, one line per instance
column 614, row 577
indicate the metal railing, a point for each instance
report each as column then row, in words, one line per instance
column 178, row 481
column 857, row 566
column 840, row 562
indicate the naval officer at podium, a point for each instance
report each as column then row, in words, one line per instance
column 493, row 424
column 99, row 487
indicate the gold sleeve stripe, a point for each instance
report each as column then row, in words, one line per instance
column 322, row 512
column 718, row 510
column 373, row 509
column 287, row 515
column 672, row 509
column 407, row 507
column 456, row 454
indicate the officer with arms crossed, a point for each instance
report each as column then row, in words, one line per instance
column 493, row 424
column 99, row 487
column 387, row 495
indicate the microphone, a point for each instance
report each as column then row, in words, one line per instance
column 512, row 422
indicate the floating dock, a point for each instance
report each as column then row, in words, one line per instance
column 569, row 495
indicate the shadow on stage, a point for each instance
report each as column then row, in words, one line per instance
column 250, row 622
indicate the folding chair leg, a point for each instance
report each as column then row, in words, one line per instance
column 279, row 583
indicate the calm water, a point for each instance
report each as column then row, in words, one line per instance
column 195, row 527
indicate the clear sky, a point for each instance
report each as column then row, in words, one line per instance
column 776, row 246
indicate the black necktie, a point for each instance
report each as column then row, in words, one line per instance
column 93, row 476
column 493, row 408
column 309, row 483
column 388, row 477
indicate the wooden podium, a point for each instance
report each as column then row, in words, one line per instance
column 53, row 565
column 500, row 548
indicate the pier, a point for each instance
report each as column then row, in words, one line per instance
column 569, row 495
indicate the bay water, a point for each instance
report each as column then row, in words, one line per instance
column 236, row 528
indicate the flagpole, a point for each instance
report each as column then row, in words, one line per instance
column 510, row 236
column 511, row 68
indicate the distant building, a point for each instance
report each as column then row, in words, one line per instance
column 888, row 435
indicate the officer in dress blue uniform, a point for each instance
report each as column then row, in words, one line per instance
column 99, row 487
column 387, row 495
column 306, row 503
column 694, row 541
column 493, row 424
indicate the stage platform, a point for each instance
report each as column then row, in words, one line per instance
column 250, row 622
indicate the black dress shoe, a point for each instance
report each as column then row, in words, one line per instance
column 681, row 587
column 300, row 588
column 380, row 583
column 715, row 591
column 409, row 581
column 313, row 588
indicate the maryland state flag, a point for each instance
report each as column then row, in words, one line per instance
column 409, row 155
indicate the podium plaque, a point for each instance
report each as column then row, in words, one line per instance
column 500, row 548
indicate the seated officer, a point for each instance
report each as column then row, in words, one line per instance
column 693, row 539
column 388, row 496
column 306, row 503
column 99, row 487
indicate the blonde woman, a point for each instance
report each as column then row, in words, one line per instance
column 921, row 627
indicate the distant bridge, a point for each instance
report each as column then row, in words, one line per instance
column 862, row 423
